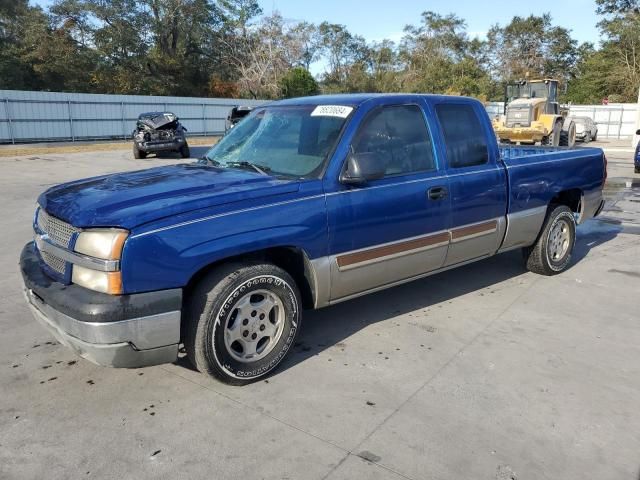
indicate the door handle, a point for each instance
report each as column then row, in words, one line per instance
column 437, row 193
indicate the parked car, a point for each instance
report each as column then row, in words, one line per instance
column 306, row 203
column 159, row 132
column 636, row 157
column 235, row 115
column 586, row 129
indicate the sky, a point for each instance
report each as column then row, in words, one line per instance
column 379, row 19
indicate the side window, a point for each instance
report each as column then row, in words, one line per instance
column 399, row 136
column 464, row 136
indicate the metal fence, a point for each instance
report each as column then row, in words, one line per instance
column 616, row 120
column 51, row 116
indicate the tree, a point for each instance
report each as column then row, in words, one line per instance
column 437, row 56
column 533, row 47
column 298, row 82
column 344, row 54
column 606, row 7
column 620, row 51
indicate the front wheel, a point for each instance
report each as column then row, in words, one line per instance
column 137, row 153
column 554, row 137
column 241, row 321
column 184, row 151
column 551, row 254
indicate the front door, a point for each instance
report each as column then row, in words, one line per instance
column 394, row 228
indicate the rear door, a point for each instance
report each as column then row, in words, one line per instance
column 477, row 181
column 396, row 227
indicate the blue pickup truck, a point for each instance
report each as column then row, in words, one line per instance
column 306, row 203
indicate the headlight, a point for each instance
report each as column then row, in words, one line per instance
column 103, row 243
column 105, row 282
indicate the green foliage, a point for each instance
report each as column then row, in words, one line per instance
column 228, row 48
column 298, row 82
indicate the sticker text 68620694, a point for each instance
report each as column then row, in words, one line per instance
column 331, row 111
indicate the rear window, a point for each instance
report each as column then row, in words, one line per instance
column 464, row 136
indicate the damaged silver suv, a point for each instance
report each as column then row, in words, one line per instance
column 159, row 132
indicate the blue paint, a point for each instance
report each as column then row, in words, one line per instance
column 185, row 217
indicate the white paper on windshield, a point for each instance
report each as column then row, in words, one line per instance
column 331, row 111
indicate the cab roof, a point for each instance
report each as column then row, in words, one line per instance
column 357, row 99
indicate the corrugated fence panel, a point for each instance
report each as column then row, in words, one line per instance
column 50, row 116
column 616, row 120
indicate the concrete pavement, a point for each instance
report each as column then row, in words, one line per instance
column 484, row 372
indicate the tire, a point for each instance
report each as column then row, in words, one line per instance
column 637, row 169
column 568, row 136
column 558, row 237
column 184, row 151
column 137, row 153
column 595, row 137
column 587, row 138
column 213, row 312
column 553, row 139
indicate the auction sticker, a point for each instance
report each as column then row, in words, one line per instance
column 331, row 111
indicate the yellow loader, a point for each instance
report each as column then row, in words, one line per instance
column 533, row 115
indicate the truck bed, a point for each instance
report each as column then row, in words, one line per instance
column 537, row 174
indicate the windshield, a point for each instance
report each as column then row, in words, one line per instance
column 528, row 90
column 292, row 141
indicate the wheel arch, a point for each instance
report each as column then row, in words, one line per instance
column 291, row 259
column 571, row 197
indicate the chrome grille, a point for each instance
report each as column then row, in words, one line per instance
column 59, row 232
column 55, row 263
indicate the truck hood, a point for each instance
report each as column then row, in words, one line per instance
column 133, row 198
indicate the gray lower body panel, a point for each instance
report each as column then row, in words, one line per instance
column 523, row 228
column 591, row 205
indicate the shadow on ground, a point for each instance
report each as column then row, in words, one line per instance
column 329, row 326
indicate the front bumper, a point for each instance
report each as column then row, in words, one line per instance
column 160, row 146
column 118, row 331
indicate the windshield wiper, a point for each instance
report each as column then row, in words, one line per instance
column 205, row 159
column 261, row 169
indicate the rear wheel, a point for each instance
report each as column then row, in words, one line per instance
column 241, row 321
column 551, row 254
column 137, row 153
column 568, row 136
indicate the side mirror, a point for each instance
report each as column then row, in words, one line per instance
column 637, row 132
column 362, row 168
